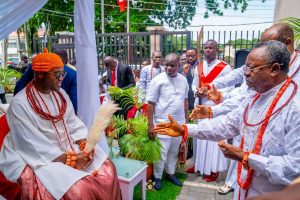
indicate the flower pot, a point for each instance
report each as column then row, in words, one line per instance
column 149, row 171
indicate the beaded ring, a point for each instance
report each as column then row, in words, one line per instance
column 71, row 158
column 82, row 144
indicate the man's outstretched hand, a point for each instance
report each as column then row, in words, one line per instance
column 171, row 128
column 213, row 93
column 230, row 151
column 200, row 112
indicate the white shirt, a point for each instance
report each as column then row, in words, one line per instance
column 279, row 160
column 36, row 143
column 146, row 78
column 232, row 100
column 169, row 95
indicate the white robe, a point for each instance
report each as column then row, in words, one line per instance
column 208, row 156
column 279, row 160
column 169, row 95
column 234, row 98
column 35, row 143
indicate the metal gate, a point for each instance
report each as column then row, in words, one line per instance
column 134, row 48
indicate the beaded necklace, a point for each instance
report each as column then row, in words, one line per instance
column 36, row 105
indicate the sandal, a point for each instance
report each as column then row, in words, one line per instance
column 225, row 189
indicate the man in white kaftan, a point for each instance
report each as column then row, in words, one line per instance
column 233, row 99
column 277, row 162
column 208, row 158
column 168, row 93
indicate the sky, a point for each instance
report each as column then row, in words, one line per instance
column 256, row 12
column 255, row 16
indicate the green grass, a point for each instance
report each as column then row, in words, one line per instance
column 169, row 190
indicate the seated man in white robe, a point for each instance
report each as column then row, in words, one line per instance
column 268, row 122
column 43, row 151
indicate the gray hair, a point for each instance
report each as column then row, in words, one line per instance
column 276, row 52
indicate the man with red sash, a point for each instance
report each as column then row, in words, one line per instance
column 209, row 160
column 267, row 121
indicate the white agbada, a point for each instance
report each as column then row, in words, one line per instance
column 37, row 144
column 233, row 99
column 279, row 160
column 169, row 95
column 208, row 157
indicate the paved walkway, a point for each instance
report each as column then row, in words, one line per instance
column 195, row 188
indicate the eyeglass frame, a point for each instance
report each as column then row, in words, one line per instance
column 247, row 69
column 191, row 56
column 58, row 75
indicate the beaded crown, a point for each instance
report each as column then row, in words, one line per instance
column 44, row 62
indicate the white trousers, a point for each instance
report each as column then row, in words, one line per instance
column 209, row 158
column 231, row 178
column 169, row 156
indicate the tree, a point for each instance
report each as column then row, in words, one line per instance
column 58, row 15
column 243, row 43
column 214, row 6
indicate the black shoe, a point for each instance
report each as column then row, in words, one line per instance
column 174, row 180
column 158, row 184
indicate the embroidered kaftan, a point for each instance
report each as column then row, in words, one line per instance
column 279, row 160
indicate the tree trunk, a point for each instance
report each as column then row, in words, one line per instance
column 4, row 50
column 18, row 44
column 26, row 39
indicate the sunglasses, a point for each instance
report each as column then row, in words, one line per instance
column 58, row 75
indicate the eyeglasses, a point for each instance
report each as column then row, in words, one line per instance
column 58, row 75
column 191, row 56
column 248, row 69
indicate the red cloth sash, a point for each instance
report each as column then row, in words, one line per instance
column 8, row 189
column 214, row 73
column 113, row 78
column 4, row 130
column 131, row 112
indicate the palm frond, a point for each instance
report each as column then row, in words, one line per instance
column 151, row 150
column 137, row 145
column 295, row 24
column 7, row 76
column 127, row 97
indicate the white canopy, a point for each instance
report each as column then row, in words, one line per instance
column 14, row 13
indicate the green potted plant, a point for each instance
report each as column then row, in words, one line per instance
column 134, row 142
column 128, row 99
column 8, row 78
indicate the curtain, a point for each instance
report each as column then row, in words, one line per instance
column 86, row 62
column 14, row 13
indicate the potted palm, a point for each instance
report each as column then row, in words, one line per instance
column 133, row 140
column 8, row 78
column 132, row 134
column 128, row 100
